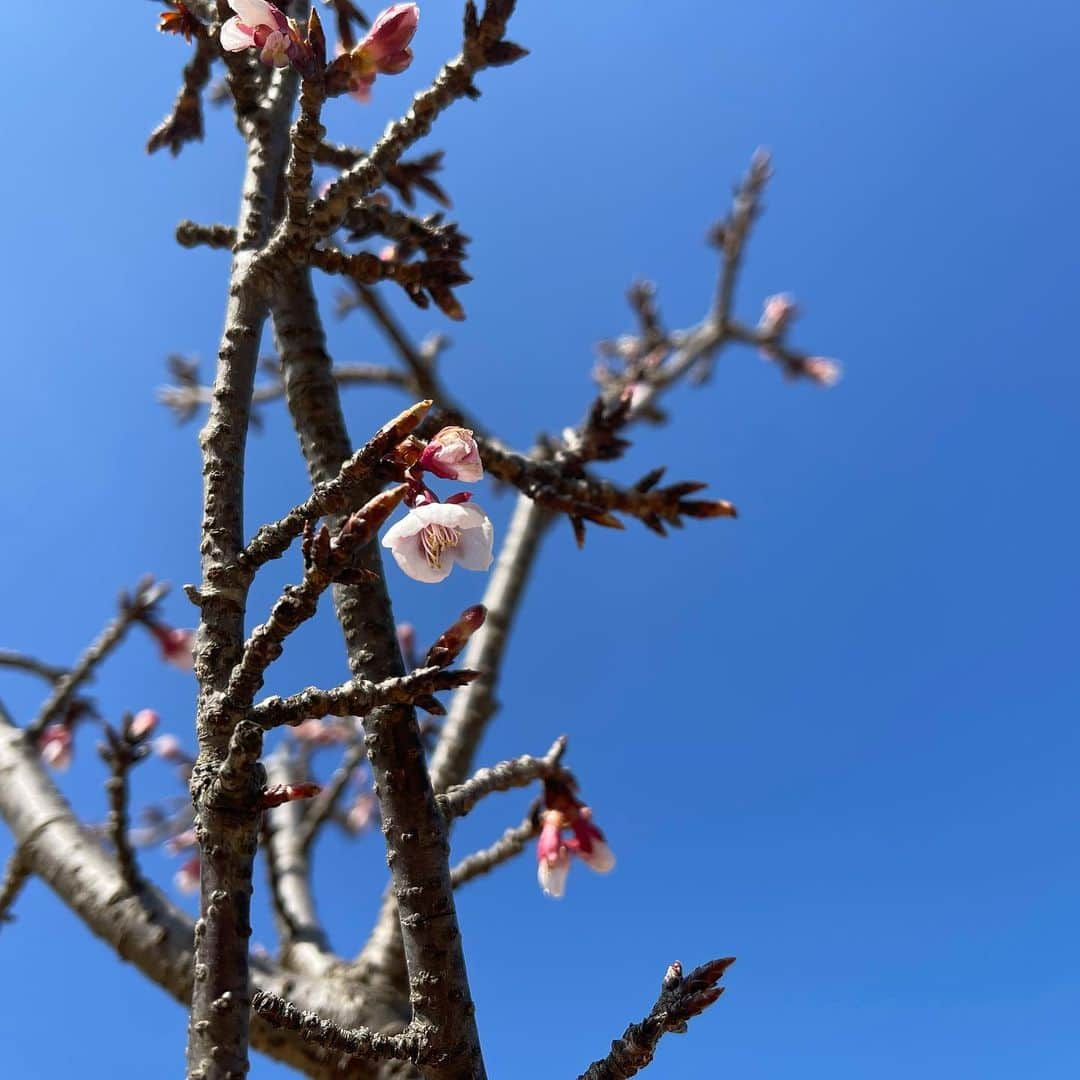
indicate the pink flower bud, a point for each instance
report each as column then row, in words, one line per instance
column 431, row 538
column 56, row 747
column 453, row 455
column 387, row 42
column 142, row 723
column 552, row 856
column 777, row 312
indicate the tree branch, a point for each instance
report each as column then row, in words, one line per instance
column 511, row 843
column 227, row 803
column 679, row 1000
column 360, row 1041
column 520, row 772
column 132, row 609
column 414, row 829
column 358, row 697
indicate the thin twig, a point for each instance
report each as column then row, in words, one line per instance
column 21, row 662
column 511, row 843
column 680, row 999
column 132, row 609
column 324, row 805
column 458, row 801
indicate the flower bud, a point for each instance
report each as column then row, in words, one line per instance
column 452, row 454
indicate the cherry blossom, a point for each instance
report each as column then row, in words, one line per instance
column 431, row 538
column 552, row 856
column 260, row 25
column 385, row 50
column 452, row 454
column 554, row 849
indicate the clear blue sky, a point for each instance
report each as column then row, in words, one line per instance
column 837, row 737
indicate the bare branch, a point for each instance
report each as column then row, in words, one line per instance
column 185, row 123
column 132, row 609
column 360, row 1041
column 458, row 801
column 304, row 942
column 358, row 697
column 21, row 662
column 438, row 985
column 326, row 561
column 511, row 843
column 324, row 805
column 680, row 999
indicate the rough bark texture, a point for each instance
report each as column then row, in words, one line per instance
column 417, row 845
column 225, row 787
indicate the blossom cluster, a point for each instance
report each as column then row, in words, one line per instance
column 435, row 535
column 385, row 50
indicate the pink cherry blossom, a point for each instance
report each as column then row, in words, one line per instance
column 142, row 723
column 452, row 454
column 590, row 845
column 385, row 50
column 431, row 538
column 177, row 646
column 260, row 25
column 554, row 850
column 822, row 371
column 56, row 747
column 552, row 856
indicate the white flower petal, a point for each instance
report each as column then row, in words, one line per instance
column 410, row 556
column 474, row 551
column 254, row 12
column 552, row 876
column 601, row 858
column 232, row 38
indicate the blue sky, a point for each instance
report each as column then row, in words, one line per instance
column 835, row 738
